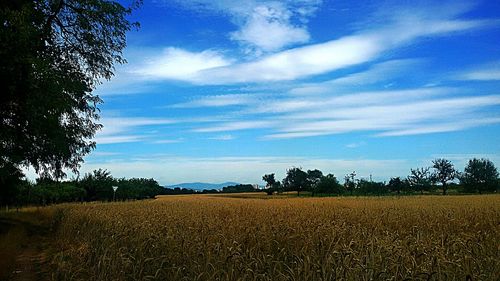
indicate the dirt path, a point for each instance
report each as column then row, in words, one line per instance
column 22, row 247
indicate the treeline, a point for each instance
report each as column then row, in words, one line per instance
column 95, row 186
column 227, row 189
column 479, row 176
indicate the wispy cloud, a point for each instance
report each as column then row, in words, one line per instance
column 486, row 72
column 223, row 137
column 355, row 144
column 383, row 113
column 411, row 118
column 167, row 141
column 242, row 169
column 122, row 129
column 219, row 101
column 175, row 63
column 208, row 67
column 235, row 126
column 263, row 25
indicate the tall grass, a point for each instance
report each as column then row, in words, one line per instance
column 218, row 238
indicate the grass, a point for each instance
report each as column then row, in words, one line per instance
column 206, row 237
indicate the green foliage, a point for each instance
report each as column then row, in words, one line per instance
column 10, row 179
column 480, row 175
column 365, row 187
column 330, row 185
column 444, row 172
column 420, row 179
column 271, row 184
column 137, row 188
column 349, row 182
column 98, row 185
column 239, row 188
column 53, row 54
column 296, row 180
column 398, row 185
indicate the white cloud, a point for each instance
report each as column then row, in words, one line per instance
column 121, row 129
column 326, row 57
column 409, row 118
column 269, row 28
column 442, row 127
column 263, row 25
column 171, row 170
column 175, row 63
column 167, row 141
column 355, row 144
column 235, row 126
column 403, row 112
column 384, row 71
column 219, row 101
column 486, row 72
column 209, row 67
column 315, row 105
column 103, row 139
column 222, row 137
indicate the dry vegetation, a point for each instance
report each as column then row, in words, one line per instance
column 223, row 238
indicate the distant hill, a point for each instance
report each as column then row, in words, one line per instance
column 202, row 185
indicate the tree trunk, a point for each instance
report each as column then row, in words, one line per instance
column 444, row 188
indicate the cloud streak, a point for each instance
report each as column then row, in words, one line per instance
column 208, row 67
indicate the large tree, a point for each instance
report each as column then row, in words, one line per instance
column 53, row 53
column 420, row 179
column 313, row 179
column 480, row 175
column 295, row 180
column 444, row 171
column 271, row 184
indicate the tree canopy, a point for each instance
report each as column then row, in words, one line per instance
column 480, row 175
column 296, row 180
column 53, row 54
column 444, row 172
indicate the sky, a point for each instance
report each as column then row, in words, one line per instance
column 221, row 90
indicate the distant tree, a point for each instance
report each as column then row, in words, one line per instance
column 366, row 187
column 271, row 183
column 138, row 188
column 480, row 175
column 329, row 184
column 238, row 188
column 349, row 182
column 396, row 185
column 444, row 171
column 295, row 180
column 313, row 179
column 98, row 185
column 420, row 179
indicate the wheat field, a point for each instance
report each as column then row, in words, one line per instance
column 221, row 238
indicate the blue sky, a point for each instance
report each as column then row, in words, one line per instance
column 219, row 90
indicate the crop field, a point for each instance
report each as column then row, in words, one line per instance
column 202, row 237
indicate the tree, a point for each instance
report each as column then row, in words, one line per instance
column 98, row 185
column 420, row 179
column 313, row 179
column 480, row 175
column 444, row 172
column 396, row 185
column 349, row 182
column 366, row 187
column 295, row 180
column 53, row 54
column 271, row 184
column 329, row 184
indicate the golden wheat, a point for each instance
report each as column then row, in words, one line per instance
column 220, row 238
